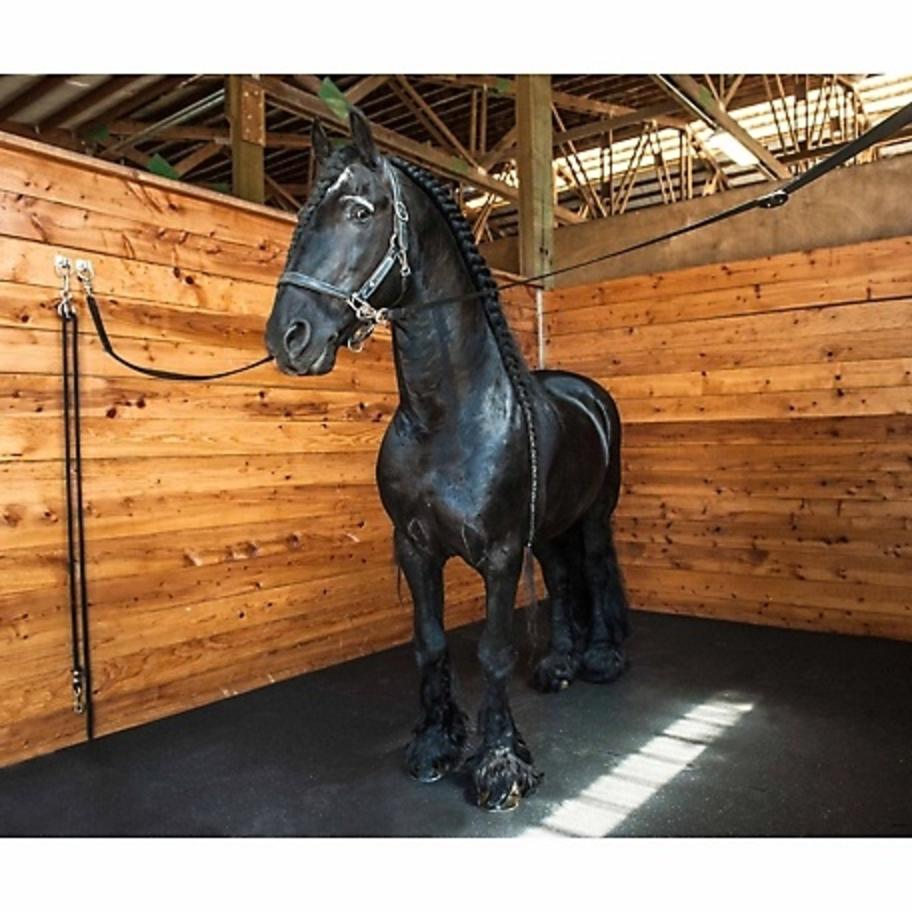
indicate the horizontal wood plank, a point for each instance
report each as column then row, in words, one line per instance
column 766, row 408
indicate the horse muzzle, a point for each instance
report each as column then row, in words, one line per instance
column 300, row 352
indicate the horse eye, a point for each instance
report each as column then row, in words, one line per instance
column 359, row 213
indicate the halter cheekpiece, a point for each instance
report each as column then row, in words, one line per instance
column 368, row 316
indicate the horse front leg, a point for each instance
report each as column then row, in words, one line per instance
column 440, row 735
column 502, row 770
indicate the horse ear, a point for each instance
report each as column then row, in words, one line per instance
column 364, row 142
column 320, row 141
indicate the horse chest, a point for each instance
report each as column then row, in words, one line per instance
column 445, row 493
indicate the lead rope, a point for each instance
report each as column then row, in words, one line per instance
column 85, row 273
column 81, row 681
column 772, row 200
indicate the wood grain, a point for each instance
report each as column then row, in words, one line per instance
column 767, row 474
column 234, row 532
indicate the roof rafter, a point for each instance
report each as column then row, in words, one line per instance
column 504, row 86
column 693, row 97
column 192, row 133
column 443, row 131
column 158, row 89
column 295, row 100
column 29, row 96
column 88, row 100
column 360, row 90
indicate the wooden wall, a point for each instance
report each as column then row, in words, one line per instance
column 234, row 534
column 767, row 408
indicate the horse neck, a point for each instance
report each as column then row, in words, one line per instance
column 448, row 366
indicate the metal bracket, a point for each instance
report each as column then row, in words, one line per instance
column 62, row 268
column 79, row 695
column 252, row 122
column 85, row 272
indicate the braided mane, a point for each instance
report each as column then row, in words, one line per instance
column 511, row 356
column 440, row 195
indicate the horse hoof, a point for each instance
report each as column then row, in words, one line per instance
column 603, row 664
column 433, row 775
column 554, row 673
column 428, row 769
column 509, row 803
column 502, row 779
column 437, row 749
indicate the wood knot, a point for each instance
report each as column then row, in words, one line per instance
column 12, row 516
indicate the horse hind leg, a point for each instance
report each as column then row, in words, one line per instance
column 563, row 569
column 604, row 659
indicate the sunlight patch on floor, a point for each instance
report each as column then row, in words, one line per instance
column 597, row 810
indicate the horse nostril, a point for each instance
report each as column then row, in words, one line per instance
column 296, row 338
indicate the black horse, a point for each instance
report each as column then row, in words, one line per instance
column 479, row 449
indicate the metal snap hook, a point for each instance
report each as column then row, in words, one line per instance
column 62, row 269
column 357, row 339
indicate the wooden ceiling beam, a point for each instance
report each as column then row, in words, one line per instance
column 186, row 132
column 357, row 93
column 311, row 83
column 29, row 96
column 283, row 193
column 360, row 90
column 705, row 155
column 588, row 193
column 419, row 114
column 197, row 157
column 504, row 86
column 63, row 138
column 693, row 97
column 158, row 89
column 127, row 152
column 442, row 129
column 731, row 91
column 501, row 150
column 298, row 101
column 662, row 114
column 88, row 100
column 218, row 135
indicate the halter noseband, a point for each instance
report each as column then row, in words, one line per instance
column 368, row 316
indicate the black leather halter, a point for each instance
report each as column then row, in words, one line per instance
column 368, row 316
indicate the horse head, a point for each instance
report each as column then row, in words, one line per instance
column 351, row 235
